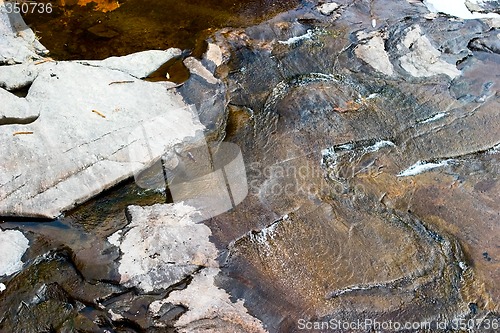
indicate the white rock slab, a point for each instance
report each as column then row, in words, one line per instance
column 17, row 41
column 80, row 144
column 17, row 76
column 328, row 8
column 14, row 109
column 13, row 244
column 162, row 245
column 140, row 64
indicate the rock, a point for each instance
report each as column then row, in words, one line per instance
column 139, row 65
column 483, row 6
column 13, row 245
column 373, row 52
column 457, row 8
column 328, row 8
column 333, row 145
column 196, row 67
column 88, row 136
column 36, row 299
column 214, row 54
column 162, row 246
column 15, row 110
column 422, row 60
column 210, row 308
column 102, row 31
column 371, row 196
column 489, row 43
column 17, row 76
column 18, row 43
column 208, row 95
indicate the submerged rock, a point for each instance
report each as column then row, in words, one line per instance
column 50, row 294
column 341, row 123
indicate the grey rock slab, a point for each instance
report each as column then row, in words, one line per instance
column 489, row 43
column 18, row 43
column 483, row 6
column 140, row 64
column 15, row 110
column 97, row 127
column 162, row 245
column 423, row 60
column 208, row 94
column 373, row 52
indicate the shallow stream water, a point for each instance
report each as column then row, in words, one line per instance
column 104, row 28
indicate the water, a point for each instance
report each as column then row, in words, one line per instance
column 94, row 31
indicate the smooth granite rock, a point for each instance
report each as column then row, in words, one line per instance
column 15, row 110
column 18, row 43
column 13, row 245
column 18, row 76
column 97, row 127
column 139, row 65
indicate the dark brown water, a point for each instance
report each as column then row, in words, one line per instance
column 98, row 30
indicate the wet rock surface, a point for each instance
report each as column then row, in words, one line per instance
column 333, row 113
column 370, row 136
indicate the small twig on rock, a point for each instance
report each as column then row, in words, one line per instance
column 22, row 132
column 43, row 61
column 117, row 82
column 98, row 113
